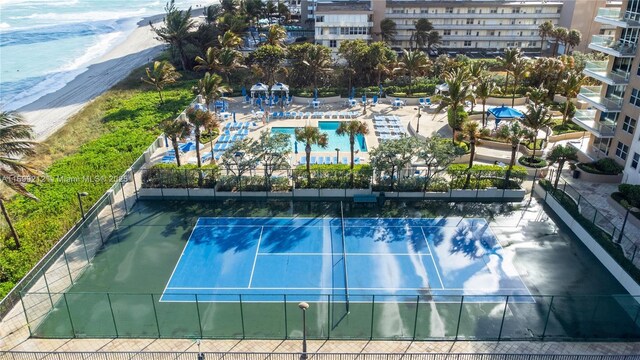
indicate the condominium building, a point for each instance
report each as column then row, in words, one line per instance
column 342, row 20
column 474, row 25
column 612, row 119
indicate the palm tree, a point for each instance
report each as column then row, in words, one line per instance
column 209, row 62
column 433, row 40
column 353, row 129
column 472, row 133
column 536, row 117
column 560, row 35
column 211, row 88
column 573, row 39
column 413, row 63
column 484, row 89
column 318, row 61
column 176, row 30
column 513, row 134
column 270, row 9
column 200, row 120
column 510, row 56
column 15, row 143
column 229, row 6
column 211, row 13
column 229, row 61
column 388, row 30
column 544, row 30
column 571, row 88
column 311, row 135
column 162, row 74
column 519, row 68
column 561, row 154
column 276, row 36
column 459, row 92
column 538, row 95
column 175, row 129
column 422, row 29
column 229, row 40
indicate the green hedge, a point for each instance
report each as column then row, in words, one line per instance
column 604, row 166
column 602, row 237
column 537, row 162
column 253, row 183
column 485, row 176
column 336, row 176
column 185, row 176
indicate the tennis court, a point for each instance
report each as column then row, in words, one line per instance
column 309, row 258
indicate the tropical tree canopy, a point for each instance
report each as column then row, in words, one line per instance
column 176, row 30
column 162, row 74
column 388, row 30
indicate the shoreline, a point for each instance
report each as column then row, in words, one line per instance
column 51, row 111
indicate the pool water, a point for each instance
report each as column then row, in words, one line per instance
column 335, row 141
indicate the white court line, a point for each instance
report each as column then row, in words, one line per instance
column 253, row 268
column 178, row 262
column 432, row 259
column 339, row 288
column 350, row 254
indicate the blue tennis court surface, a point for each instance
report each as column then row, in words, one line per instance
column 305, row 258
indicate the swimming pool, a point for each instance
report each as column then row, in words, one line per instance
column 335, row 141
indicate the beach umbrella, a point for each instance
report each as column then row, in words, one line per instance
column 353, row 92
column 244, row 91
column 364, row 98
column 295, row 147
column 381, row 91
column 315, row 94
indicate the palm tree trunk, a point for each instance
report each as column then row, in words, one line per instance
column 506, row 83
column 535, row 141
column 507, row 176
column 484, row 101
column 197, row 135
column 566, row 111
column 16, row 239
column 560, row 166
column 472, row 153
column 513, row 95
column 351, row 146
column 453, row 136
column 542, row 38
column 160, row 93
column 307, row 150
column 176, row 149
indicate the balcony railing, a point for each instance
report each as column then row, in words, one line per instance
column 587, row 120
column 599, row 70
column 592, row 94
column 610, row 45
column 615, row 17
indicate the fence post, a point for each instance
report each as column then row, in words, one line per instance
column 329, row 316
column 135, row 186
column 124, row 200
column 546, row 322
column 84, row 245
column 73, row 330
column 373, row 305
column 415, row 320
column 66, row 261
column 241, row 315
column 459, row 316
column 286, row 330
column 199, row 319
column 113, row 215
column 113, row 317
column 46, row 283
column 633, row 256
column 99, row 227
column 24, row 310
column 155, row 313
column 504, row 313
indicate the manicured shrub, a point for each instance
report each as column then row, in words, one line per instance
column 537, row 162
column 604, row 166
column 631, row 193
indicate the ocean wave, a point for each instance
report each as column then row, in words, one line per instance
column 20, row 93
column 82, row 16
column 4, row 25
column 57, row 32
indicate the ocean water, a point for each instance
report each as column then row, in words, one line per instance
column 44, row 44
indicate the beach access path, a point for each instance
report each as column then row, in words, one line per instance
column 50, row 112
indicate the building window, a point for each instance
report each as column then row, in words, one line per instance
column 635, row 97
column 319, row 19
column 448, row 10
column 635, row 160
column 515, row 10
column 446, row 43
column 469, row 21
column 622, row 150
column 397, row 11
column 446, row 32
column 538, row 11
column 629, row 125
column 471, row 11
column 493, row 11
column 492, row 33
column 467, row 43
column 468, row 32
column 333, row 43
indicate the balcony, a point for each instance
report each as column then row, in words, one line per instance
column 610, row 45
column 586, row 119
column 463, row 16
column 615, row 17
column 599, row 70
column 592, row 95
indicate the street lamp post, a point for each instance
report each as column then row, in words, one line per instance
column 80, row 196
column 211, row 143
column 418, row 124
column 624, row 222
column 337, row 155
column 304, row 306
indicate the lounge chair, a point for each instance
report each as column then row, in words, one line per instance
column 206, row 157
column 168, row 159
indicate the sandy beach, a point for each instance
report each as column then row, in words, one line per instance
column 51, row 111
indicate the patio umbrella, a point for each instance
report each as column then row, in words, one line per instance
column 381, row 91
column 353, row 92
column 315, row 94
column 295, row 147
column 364, row 98
column 244, row 91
